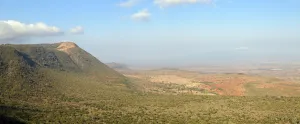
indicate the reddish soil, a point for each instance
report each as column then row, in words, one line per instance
column 228, row 84
column 222, row 84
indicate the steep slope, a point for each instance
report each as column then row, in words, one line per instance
column 39, row 78
column 67, row 56
column 17, row 71
column 86, row 62
column 32, row 69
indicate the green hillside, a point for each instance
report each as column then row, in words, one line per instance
column 66, row 56
column 42, row 70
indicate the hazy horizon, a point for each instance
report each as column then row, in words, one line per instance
column 160, row 32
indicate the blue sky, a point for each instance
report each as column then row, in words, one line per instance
column 160, row 32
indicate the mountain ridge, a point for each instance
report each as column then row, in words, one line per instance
column 65, row 55
column 35, row 66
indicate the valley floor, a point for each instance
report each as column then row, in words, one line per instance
column 228, row 84
column 74, row 98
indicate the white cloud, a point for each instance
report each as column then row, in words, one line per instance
column 142, row 15
column 128, row 3
column 77, row 30
column 168, row 3
column 14, row 30
column 242, row 48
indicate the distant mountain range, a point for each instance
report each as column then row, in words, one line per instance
column 117, row 66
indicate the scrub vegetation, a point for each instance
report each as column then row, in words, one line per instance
column 71, row 86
